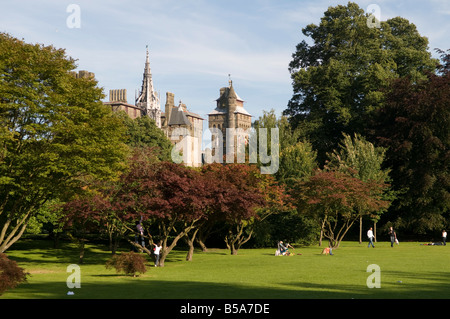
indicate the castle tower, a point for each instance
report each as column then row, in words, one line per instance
column 229, row 113
column 148, row 100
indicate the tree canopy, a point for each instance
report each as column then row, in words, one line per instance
column 56, row 136
column 414, row 126
column 339, row 77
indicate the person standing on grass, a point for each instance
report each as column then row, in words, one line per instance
column 156, row 252
column 392, row 235
column 370, row 236
column 444, row 237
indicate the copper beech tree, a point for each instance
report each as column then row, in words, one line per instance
column 338, row 200
column 175, row 202
column 243, row 196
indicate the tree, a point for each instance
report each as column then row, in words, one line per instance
column 82, row 217
column 242, row 197
column 130, row 263
column 297, row 158
column 56, row 135
column 414, row 126
column 170, row 195
column 143, row 132
column 357, row 155
column 337, row 200
column 11, row 274
column 297, row 161
column 338, row 79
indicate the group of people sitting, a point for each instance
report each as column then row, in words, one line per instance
column 283, row 249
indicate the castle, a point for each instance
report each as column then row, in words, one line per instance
column 182, row 127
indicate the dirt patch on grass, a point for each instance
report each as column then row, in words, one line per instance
column 40, row 271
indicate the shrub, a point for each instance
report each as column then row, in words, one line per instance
column 11, row 274
column 130, row 263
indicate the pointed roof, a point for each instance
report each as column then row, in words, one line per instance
column 147, row 97
column 178, row 117
column 226, row 93
column 229, row 91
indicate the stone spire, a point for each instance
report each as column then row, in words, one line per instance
column 148, row 100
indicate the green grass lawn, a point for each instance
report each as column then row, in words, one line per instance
column 408, row 270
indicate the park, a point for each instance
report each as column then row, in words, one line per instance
column 94, row 206
column 407, row 271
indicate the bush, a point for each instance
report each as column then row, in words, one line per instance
column 130, row 263
column 11, row 274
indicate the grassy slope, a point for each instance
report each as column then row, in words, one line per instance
column 408, row 270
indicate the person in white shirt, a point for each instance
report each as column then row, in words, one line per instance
column 156, row 251
column 370, row 236
column 444, row 237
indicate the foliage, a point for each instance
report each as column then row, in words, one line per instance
column 172, row 197
column 361, row 159
column 288, row 226
column 242, row 197
column 11, row 274
column 297, row 158
column 362, row 156
column 297, row 161
column 337, row 200
column 414, row 126
column 56, row 136
column 143, row 132
column 338, row 79
column 130, row 263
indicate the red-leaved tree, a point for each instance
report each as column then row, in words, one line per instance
column 170, row 196
column 338, row 200
column 242, row 196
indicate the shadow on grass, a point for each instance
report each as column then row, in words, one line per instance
column 418, row 285
column 436, row 286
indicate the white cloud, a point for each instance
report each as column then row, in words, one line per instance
column 195, row 44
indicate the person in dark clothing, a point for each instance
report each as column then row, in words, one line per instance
column 139, row 233
column 392, row 235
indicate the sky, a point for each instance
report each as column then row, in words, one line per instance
column 196, row 46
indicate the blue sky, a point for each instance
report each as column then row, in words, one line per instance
column 195, row 44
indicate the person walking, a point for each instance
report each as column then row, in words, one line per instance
column 392, row 235
column 444, row 237
column 371, row 237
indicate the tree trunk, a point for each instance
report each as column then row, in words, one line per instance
column 322, row 232
column 15, row 233
column 165, row 250
column 375, row 230
column 56, row 240
column 360, row 229
column 111, row 245
column 115, row 245
column 233, row 249
column 202, row 245
column 190, row 242
column 81, row 247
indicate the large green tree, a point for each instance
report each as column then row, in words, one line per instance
column 56, row 136
column 339, row 72
column 414, row 125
